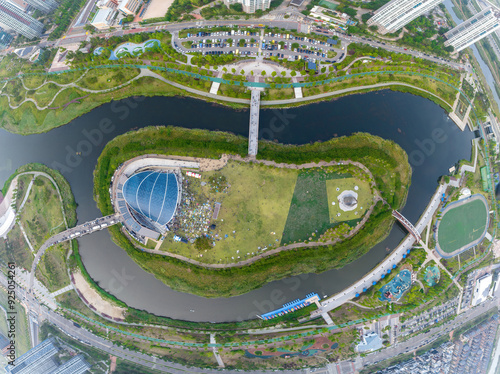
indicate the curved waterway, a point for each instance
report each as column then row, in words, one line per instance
column 434, row 143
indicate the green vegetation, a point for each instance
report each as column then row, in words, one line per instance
column 22, row 338
column 63, row 16
column 385, row 159
column 462, row 225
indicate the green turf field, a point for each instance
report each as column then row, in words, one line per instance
column 462, row 225
column 328, row 4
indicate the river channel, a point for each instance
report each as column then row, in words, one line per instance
column 434, row 143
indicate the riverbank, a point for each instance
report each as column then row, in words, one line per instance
column 27, row 116
column 385, row 159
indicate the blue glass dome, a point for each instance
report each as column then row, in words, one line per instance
column 152, row 195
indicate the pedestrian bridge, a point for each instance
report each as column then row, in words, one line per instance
column 253, row 131
column 407, row 224
column 70, row 234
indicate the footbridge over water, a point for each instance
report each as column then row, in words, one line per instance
column 253, row 131
column 70, row 234
column 407, row 224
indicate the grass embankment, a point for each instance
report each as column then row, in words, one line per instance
column 41, row 217
column 386, row 160
column 22, row 338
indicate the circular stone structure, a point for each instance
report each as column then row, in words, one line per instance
column 348, row 200
column 463, row 224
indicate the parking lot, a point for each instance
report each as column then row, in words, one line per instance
column 248, row 43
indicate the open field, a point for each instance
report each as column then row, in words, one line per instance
column 51, row 270
column 462, row 224
column 252, row 215
column 41, row 216
column 15, row 249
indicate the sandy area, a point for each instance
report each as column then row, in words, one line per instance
column 157, row 8
column 101, row 305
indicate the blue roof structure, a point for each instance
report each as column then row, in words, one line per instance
column 152, row 195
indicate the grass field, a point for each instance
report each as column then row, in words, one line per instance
column 311, row 210
column 334, row 187
column 15, row 249
column 41, row 216
column 253, row 212
column 461, row 225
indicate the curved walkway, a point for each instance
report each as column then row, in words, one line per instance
column 69, row 85
column 145, row 71
column 221, row 163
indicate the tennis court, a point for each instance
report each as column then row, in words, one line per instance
column 463, row 225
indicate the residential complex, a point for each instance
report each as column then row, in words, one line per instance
column 45, row 6
column 14, row 18
column 397, row 13
column 474, row 29
column 250, row 6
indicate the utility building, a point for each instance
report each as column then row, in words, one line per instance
column 396, row 14
column 14, row 18
column 474, row 29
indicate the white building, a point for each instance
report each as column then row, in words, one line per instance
column 474, row 29
column 481, row 289
column 14, row 18
column 396, row 14
column 103, row 19
column 250, row 6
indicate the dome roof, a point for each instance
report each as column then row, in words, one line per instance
column 153, row 195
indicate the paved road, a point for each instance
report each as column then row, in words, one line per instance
column 433, row 334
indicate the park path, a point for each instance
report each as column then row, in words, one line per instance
column 145, row 72
column 218, row 164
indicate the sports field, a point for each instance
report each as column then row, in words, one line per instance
column 462, row 225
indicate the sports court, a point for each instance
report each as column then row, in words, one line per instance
column 463, row 225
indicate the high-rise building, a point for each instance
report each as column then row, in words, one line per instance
column 77, row 365
column 41, row 360
column 398, row 13
column 250, row 6
column 22, row 23
column 37, row 360
column 45, row 6
column 474, row 29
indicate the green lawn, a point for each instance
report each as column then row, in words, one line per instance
column 253, row 212
column 462, row 225
column 309, row 214
column 334, row 188
column 41, row 216
column 15, row 249
column 51, row 270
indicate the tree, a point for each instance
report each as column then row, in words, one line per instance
column 242, row 72
column 251, row 73
column 233, row 70
column 263, row 73
column 274, row 73
column 293, row 73
column 283, row 73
